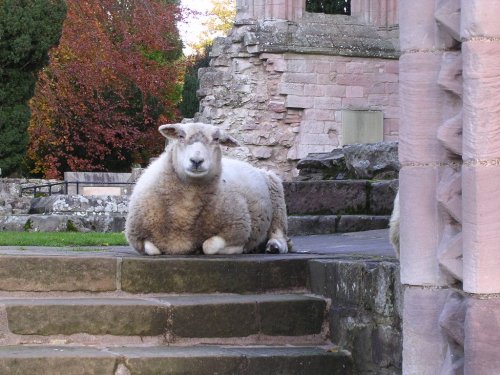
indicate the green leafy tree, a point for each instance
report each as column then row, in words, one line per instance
column 28, row 29
column 190, row 103
column 219, row 23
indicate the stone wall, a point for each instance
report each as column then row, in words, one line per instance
column 366, row 310
column 281, row 86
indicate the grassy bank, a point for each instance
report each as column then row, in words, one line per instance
column 59, row 239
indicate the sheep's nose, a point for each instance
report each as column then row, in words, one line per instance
column 196, row 161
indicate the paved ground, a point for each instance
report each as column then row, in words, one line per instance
column 373, row 242
column 370, row 243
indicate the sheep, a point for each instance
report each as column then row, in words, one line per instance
column 191, row 199
column 394, row 225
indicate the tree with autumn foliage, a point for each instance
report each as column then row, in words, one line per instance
column 115, row 76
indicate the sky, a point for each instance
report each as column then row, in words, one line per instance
column 191, row 28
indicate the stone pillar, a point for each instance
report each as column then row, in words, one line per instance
column 480, row 33
column 290, row 10
column 430, row 185
column 450, row 157
column 381, row 13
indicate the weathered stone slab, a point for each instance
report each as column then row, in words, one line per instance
column 359, row 223
column 106, row 316
column 193, row 360
column 313, row 224
column 382, row 196
column 56, row 360
column 373, row 161
column 362, row 126
column 176, row 316
column 326, row 197
column 162, row 275
column 39, row 274
column 237, row 360
column 240, row 316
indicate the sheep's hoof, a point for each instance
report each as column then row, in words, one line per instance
column 151, row 249
column 276, row 246
column 214, row 245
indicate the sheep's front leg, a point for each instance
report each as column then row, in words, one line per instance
column 151, row 249
column 277, row 244
column 217, row 245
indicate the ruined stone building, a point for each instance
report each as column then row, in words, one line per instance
column 288, row 82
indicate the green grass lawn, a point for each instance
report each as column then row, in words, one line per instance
column 60, row 239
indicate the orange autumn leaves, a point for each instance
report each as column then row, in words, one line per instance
column 115, row 76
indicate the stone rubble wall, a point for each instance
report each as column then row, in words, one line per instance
column 280, row 87
column 366, row 312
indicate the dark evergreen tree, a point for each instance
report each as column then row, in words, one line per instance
column 190, row 103
column 28, row 29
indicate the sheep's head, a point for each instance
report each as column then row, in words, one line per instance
column 196, row 151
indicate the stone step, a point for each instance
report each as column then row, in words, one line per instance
column 340, row 197
column 328, row 224
column 194, row 360
column 173, row 317
column 121, row 269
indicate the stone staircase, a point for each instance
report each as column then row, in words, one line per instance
column 113, row 312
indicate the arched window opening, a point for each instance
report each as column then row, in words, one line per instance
column 329, row 6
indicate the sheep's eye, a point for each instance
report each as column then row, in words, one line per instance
column 216, row 138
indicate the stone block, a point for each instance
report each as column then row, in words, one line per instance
column 297, row 316
column 364, row 285
column 202, row 360
column 373, row 160
column 123, row 317
column 287, row 88
column 418, row 28
column 56, row 360
column 294, row 101
column 424, row 346
column 479, row 19
column 481, row 229
column 325, row 197
column 422, row 102
column 252, row 274
column 354, row 92
column 327, row 103
column 421, row 226
column 213, row 317
column 482, row 336
column 337, row 91
column 362, row 127
column 359, row 223
column 101, row 190
column 309, row 78
column 382, row 196
column 481, row 109
column 311, row 224
column 44, row 274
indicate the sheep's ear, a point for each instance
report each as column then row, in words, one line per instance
column 172, row 131
column 225, row 139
